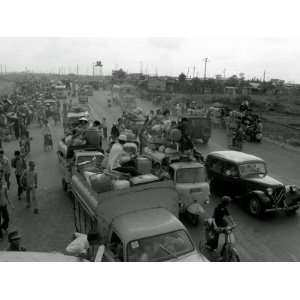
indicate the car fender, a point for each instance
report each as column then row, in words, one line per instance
column 261, row 195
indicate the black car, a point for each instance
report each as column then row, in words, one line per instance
column 244, row 176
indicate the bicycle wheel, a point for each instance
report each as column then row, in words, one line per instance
column 233, row 256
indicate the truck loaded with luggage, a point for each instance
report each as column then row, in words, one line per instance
column 136, row 217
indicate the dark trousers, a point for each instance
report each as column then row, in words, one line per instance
column 105, row 132
column 128, row 169
column 4, row 219
column 20, row 189
column 7, row 176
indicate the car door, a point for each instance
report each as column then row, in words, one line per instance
column 114, row 250
column 214, row 168
column 231, row 179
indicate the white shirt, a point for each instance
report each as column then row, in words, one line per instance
column 114, row 156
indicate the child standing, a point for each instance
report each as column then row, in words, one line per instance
column 30, row 181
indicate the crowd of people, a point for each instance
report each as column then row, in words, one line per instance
column 18, row 111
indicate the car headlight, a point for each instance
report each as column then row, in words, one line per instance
column 269, row 191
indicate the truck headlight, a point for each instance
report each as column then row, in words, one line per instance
column 269, row 191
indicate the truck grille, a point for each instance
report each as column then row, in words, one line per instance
column 279, row 196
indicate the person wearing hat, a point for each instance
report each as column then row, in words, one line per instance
column 14, row 239
column 221, row 218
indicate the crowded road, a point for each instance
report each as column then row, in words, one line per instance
column 274, row 238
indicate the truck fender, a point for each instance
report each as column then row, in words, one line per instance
column 261, row 195
column 195, row 209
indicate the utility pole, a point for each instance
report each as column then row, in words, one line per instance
column 264, row 76
column 224, row 73
column 141, row 67
column 77, row 70
column 205, row 62
column 194, row 71
column 93, row 70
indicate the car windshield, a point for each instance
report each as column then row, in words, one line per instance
column 160, row 248
column 190, row 175
column 252, row 169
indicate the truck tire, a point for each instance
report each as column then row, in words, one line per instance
column 255, row 206
column 194, row 219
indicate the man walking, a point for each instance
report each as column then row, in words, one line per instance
column 104, row 127
column 4, row 200
column 29, row 182
column 19, row 164
column 5, row 167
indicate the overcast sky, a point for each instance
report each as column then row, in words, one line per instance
column 279, row 57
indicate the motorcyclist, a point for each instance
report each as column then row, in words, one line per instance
column 221, row 219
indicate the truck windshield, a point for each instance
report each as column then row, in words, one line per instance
column 190, row 175
column 160, row 248
column 88, row 158
column 252, row 169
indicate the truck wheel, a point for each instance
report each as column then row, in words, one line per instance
column 194, row 219
column 64, row 185
column 255, row 206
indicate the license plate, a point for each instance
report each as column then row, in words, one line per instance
column 196, row 190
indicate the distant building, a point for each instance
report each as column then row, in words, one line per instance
column 157, row 85
column 230, row 90
column 277, row 82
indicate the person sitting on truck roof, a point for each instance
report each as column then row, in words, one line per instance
column 119, row 160
column 185, row 142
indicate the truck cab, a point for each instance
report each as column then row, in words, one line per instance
column 71, row 164
column 135, row 237
column 192, row 187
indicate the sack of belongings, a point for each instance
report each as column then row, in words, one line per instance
column 101, row 183
column 79, row 246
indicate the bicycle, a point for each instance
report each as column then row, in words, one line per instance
column 228, row 252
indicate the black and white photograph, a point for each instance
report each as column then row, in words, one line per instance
column 150, row 154
column 149, row 132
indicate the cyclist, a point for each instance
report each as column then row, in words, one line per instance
column 221, row 218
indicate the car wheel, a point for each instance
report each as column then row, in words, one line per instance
column 255, row 206
column 292, row 212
